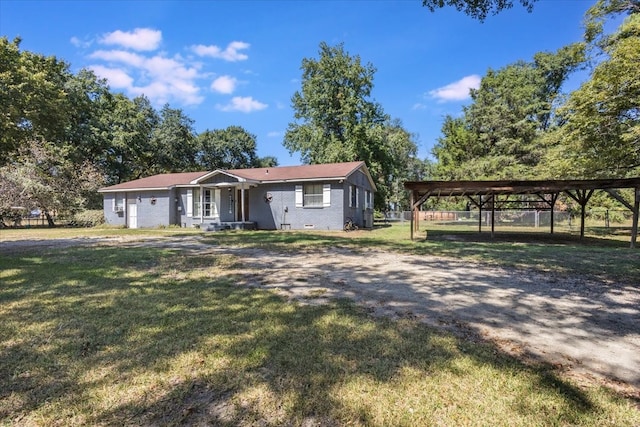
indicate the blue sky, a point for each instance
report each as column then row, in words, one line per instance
column 230, row 63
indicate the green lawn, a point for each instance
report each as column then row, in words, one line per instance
column 116, row 335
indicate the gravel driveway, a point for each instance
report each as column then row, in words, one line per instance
column 583, row 326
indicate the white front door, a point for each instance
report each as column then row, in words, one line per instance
column 133, row 215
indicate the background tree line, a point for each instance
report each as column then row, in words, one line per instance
column 64, row 135
column 520, row 125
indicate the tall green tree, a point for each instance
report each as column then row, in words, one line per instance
column 267, row 162
column 230, row 148
column 478, row 9
column 131, row 123
column 33, row 100
column 601, row 135
column 173, row 142
column 337, row 121
column 88, row 101
column 333, row 110
column 498, row 134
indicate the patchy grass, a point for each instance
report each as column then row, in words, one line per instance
column 147, row 336
column 607, row 259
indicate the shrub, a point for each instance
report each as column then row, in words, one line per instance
column 89, row 218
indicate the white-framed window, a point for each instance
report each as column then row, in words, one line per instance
column 207, row 203
column 312, row 195
column 368, row 199
column 118, row 202
column 353, row 196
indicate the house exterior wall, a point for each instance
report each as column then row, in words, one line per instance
column 153, row 208
column 281, row 211
column 360, row 213
column 117, row 208
column 114, row 209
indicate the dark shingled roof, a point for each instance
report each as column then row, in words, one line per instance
column 282, row 173
column 291, row 173
column 160, row 181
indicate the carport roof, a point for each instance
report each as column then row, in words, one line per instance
column 476, row 188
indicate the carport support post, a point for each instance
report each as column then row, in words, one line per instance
column 493, row 214
column 634, row 223
column 411, row 202
column 552, row 204
column 480, row 215
column 582, row 197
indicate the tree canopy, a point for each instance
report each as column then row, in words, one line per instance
column 601, row 133
column 519, row 123
column 337, row 121
column 498, row 135
column 230, row 148
column 478, row 9
column 60, row 130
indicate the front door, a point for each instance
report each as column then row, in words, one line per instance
column 239, row 205
column 133, row 215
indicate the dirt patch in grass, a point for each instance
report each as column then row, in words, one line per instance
column 586, row 328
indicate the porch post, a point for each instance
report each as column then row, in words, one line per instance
column 201, row 204
column 242, row 201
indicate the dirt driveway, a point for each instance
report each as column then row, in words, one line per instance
column 588, row 329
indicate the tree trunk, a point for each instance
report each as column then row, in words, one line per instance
column 49, row 219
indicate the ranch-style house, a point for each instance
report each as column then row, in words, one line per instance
column 320, row 197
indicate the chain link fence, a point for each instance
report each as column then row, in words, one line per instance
column 516, row 218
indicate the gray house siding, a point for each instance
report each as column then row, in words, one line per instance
column 114, row 209
column 270, row 205
column 360, row 212
column 282, row 212
column 118, row 209
column 153, row 208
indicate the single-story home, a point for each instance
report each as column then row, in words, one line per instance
column 318, row 197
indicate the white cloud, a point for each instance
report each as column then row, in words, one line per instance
column 456, row 91
column 128, row 62
column 161, row 92
column 77, row 42
column 159, row 78
column 274, row 134
column 224, row 84
column 117, row 78
column 230, row 54
column 128, row 58
column 142, row 39
column 242, row 104
column 418, row 106
column 168, row 68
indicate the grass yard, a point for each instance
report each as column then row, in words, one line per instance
column 113, row 335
